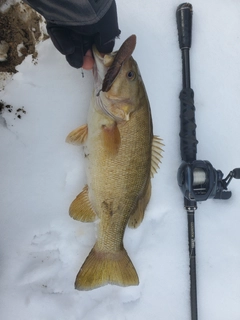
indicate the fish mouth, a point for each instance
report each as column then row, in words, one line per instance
column 105, row 71
column 99, row 69
column 99, row 72
column 122, row 55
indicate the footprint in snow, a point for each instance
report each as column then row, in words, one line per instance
column 43, row 266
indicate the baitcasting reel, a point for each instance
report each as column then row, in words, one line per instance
column 199, row 181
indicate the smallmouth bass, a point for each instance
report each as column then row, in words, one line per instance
column 122, row 155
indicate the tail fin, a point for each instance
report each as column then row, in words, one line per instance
column 102, row 268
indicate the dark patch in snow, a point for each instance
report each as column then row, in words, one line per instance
column 7, row 107
column 20, row 31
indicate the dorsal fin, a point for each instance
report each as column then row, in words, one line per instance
column 156, row 154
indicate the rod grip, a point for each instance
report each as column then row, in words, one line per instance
column 184, row 25
column 188, row 141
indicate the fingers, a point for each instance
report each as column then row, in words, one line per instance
column 75, row 42
column 88, row 61
column 73, row 45
column 61, row 39
column 82, row 45
column 75, row 59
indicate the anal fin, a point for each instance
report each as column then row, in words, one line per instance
column 81, row 208
column 78, row 136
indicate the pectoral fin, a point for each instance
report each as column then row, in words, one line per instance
column 111, row 139
column 137, row 217
column 156, row 154
column 78, row 136
column 81, row 208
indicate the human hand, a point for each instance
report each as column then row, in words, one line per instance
column 75, row 42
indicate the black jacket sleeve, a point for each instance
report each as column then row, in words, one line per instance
column 71, row 12
column 75, row 25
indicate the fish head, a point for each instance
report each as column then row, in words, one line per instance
column 121, row 82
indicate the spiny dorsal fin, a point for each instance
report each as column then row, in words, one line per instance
column 78, row 136
column 81, row 208
column 156, row 154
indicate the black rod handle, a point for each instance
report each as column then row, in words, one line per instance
column 187, row 114
column 184, row 25
column 188, row 141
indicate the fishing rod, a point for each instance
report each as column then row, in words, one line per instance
column 197, row 179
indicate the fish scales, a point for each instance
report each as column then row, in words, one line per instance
column 119, row 179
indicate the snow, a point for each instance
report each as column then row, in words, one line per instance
column 42, row 248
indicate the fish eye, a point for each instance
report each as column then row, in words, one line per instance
column 131, row 75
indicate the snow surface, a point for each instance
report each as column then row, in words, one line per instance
column 42, row 248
